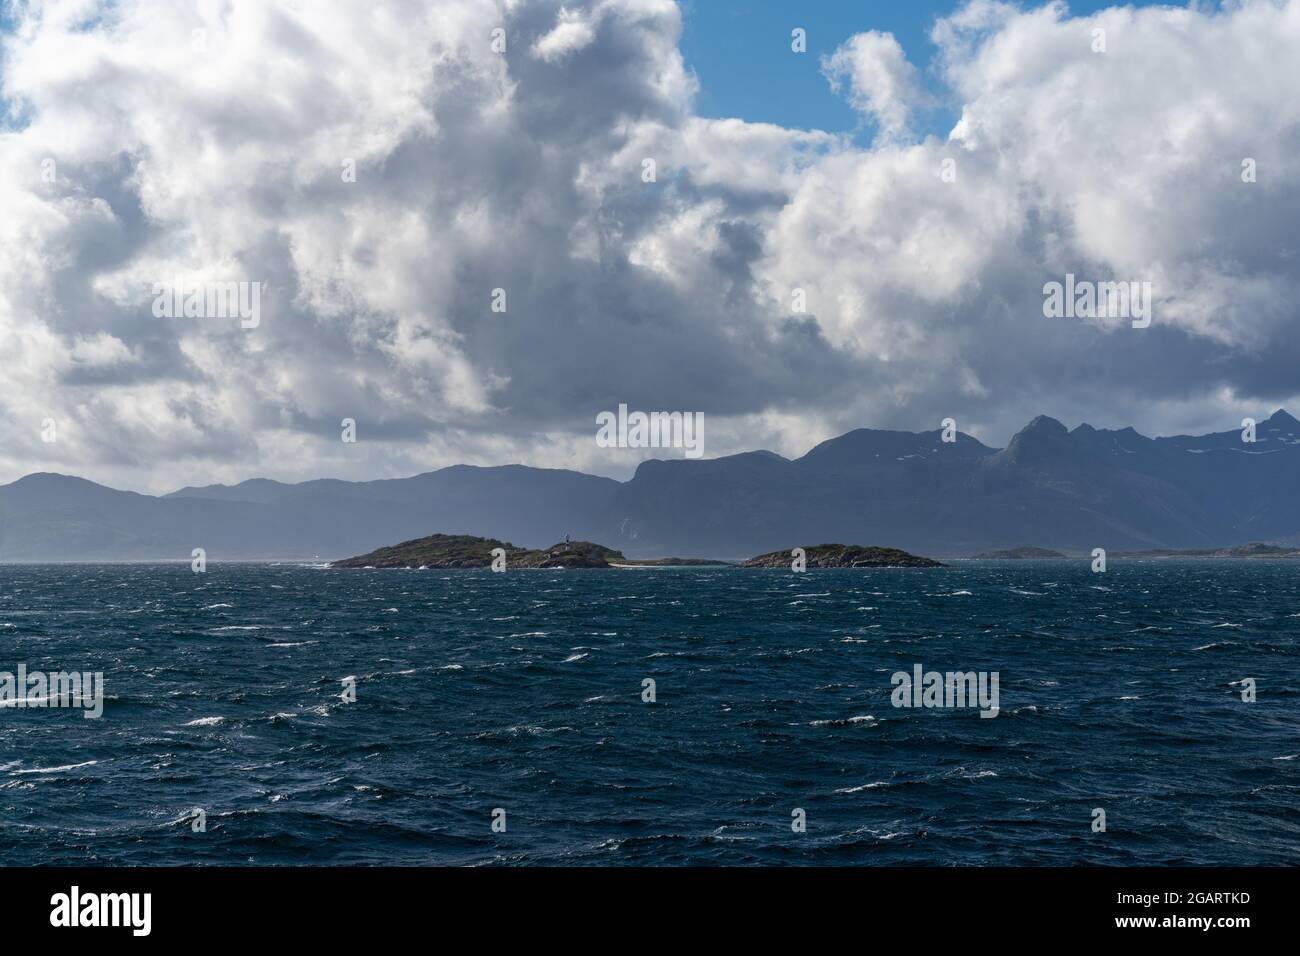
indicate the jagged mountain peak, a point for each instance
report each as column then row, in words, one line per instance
column 1043, row 425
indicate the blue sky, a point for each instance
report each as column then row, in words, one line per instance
column 740, row 50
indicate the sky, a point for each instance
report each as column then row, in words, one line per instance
column 737, row 49
column 458, row 247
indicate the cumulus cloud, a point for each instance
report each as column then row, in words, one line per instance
column 1125, row 164
column 148, row 139
column 881, row 83
column 573, row 32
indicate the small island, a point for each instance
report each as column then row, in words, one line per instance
column 1018, row 554
column 843, row 556
column 467, row 552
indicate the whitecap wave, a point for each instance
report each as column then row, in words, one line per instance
column 70, row 766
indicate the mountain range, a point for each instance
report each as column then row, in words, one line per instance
column 1052, row 487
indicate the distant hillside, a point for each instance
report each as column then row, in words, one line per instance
column 1078, row 488
column 47, row 517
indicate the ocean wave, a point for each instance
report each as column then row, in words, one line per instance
column 69, row 766
column 843, row 722
column 866, row 786
column 755, row 722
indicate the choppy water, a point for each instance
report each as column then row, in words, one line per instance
column 523, row 691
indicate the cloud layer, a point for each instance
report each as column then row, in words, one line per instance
column 149, row 139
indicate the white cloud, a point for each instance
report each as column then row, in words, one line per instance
column 475, row 171
column 573, row 32
column 881, row 82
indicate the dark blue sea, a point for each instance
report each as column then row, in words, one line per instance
column 523, row 691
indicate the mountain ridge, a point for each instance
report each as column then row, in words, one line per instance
column 1068, row 489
